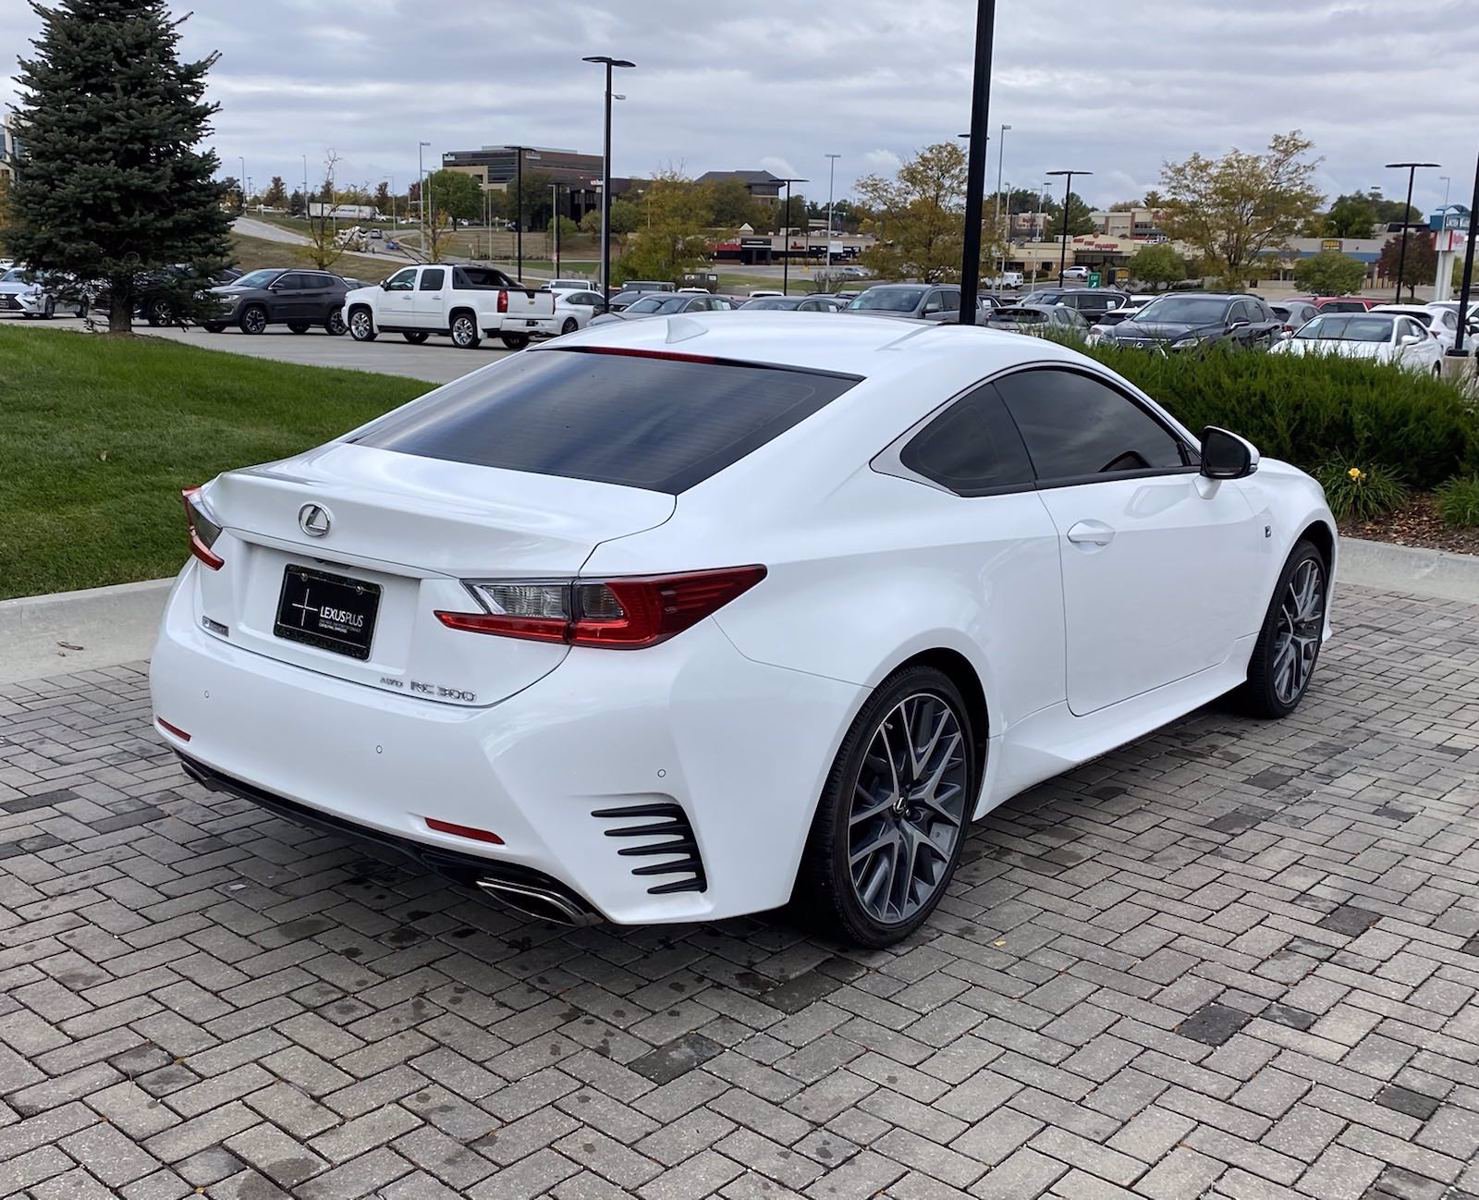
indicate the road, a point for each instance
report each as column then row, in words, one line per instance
column 269, row 232
column 436, row 362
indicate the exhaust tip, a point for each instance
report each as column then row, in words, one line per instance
column 541, row 903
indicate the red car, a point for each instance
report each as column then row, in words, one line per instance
column 1340, row 304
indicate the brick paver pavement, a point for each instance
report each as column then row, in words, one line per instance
column 1235, row 959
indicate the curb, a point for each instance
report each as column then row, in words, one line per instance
column 102, row 627
column 79, row 631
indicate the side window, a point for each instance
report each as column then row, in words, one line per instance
column 432, row 279
column 1450, row 319
column 1241, row 311
column 403, row 281
column 972, row 448
column 292, row 282
column 934, row 303
column 1077, row 428
column 951, row 300
column 315, row 281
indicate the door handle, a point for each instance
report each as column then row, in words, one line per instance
column 1094, row 533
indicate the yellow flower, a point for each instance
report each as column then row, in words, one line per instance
column 1356, row 474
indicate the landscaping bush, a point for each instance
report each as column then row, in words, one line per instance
column 1309, row 410
column 1458, row 501
column 1359, row 492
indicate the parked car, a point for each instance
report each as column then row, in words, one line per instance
column 1091, row 303
column 25, row 292
column 847, row 591
column 1107, row 321
column 1038, row 319
column 572, row 285
column 1187, row 320
column 1293, row 313
column 574, row 310
column 665, row 305
column 1340, row 304
column 1438, row 319
column 1381, row 337
column 465, row 303
column 1007, row 279
column 853, row 272
column 791, row 304
column 920, row 301
column 159, row 293
column 648, row 285
column 292, row 296
column 1077, row 273
column 620, row 300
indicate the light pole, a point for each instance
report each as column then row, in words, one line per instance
column 1447, row 183
column 305, row 188
column 1464, row 288
column 421, row 193
column 1063, row 237
column 975, row 171
column 241, row 181
column 1411, row 169
column 831, row 172
column 1001, row 153
column 390, row 186
column 786, row 237
column 519, row 152
column 608, row 62
column 554, row 208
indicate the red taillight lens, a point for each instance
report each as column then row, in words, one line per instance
column 618, row 614
column 203, row 531
column 464, row 831
column 503, row 301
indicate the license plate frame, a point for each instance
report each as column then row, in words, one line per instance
column 343, row 621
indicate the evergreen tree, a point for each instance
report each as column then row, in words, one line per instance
column 276, row 195
column 115, row 185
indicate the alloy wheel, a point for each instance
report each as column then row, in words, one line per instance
column 908, row 808
column 462, row 331
column 359, row 324
column 1297, row 636
column 335, row 323
column 254, row 321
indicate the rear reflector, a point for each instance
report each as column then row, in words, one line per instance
column 464, row 831
column 174, row 729
column 619, row 614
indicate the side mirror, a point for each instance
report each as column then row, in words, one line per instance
column 1412, row 339
column 1227, row 456
column 1239, row 325
column 385, row 285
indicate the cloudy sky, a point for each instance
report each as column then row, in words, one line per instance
column 1115, row 87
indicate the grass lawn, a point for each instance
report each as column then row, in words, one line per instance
column 98, row 435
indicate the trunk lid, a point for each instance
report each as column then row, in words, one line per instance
column 404, row 531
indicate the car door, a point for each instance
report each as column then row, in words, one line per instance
column 1161, row 566
column 933, row 308
column 396, row 306
column 319, row 296
column 289, row 298
column 1416, row 348
column 428, row 309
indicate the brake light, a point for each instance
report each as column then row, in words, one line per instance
column 503, row 301
column 202, row 531
column 619, row 614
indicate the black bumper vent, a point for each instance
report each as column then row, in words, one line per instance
column 658, row 831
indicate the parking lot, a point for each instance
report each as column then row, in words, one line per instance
column 437, row 361
column 1233, row 959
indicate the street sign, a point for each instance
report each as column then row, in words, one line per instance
column 1094, row 279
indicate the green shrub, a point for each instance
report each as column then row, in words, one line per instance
column 1359, row 491
column 1310, row 410
column 1458, row 501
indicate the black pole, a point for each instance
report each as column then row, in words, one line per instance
column 1463, row 292
column 1402, row 249
column 786, row 244
column 975, row 168
column 519, row 210
column 606, row 201
column 1063, row 237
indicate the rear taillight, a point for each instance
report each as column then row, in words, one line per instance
column 503, row 301
column 619, row 614
column 202, row 529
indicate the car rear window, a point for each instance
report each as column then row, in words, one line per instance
column 662, row 423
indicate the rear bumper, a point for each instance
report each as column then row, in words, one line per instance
column 733, row 752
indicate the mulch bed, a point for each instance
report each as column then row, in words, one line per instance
column 1416, row 523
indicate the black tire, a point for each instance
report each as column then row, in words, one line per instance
column 415, row 337
column 159, row 312
column 826, row 894
column 213, row 326
column 570, row 325
column 253, row 319
column 362, row 324
column 49, row 311
column 1271, row 691
column 514, row 341
column 334, row 324
column 298, row 326
column 465, row 332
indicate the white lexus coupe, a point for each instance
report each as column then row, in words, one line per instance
column 678, row 619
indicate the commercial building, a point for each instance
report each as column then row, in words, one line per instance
column 761, row 185
column 1139, row 223
column 9, row 150
column 579, row 175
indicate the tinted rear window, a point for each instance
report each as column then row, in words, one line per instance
column 655, row 423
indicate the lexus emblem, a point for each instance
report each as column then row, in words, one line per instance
column 314, row 520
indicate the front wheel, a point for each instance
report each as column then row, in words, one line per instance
column 891, row 821
column 159, row 312
column 1288, row 645
column 253, row 319
column 334, row 323
column 514, row 341
column 362, row 325
column 415, row 338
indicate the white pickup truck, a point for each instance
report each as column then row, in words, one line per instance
column 465, row 303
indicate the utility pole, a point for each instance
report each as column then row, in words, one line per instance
column 421, row 195
column 1464, row 288
column 609, row 63
column 970, row 266
column 554, row 208
column 1001, row 154
column 1411, row 169
column 1063, row 237
column 831, row 170
column 786, row 237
